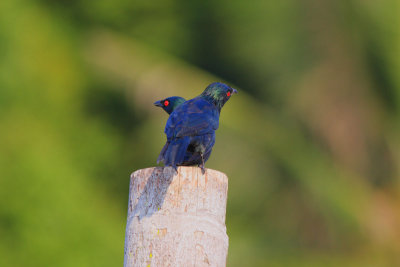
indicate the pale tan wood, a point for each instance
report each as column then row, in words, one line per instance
column 176, row 219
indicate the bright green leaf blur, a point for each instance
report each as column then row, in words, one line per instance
column 310, row 144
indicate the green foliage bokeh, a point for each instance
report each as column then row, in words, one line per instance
column 310, row 143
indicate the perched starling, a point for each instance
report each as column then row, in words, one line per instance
column 191, row 158
column 191, row 126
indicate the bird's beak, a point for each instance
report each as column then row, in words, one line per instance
column 158, row 104
column 234, row 91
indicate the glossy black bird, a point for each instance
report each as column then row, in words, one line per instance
column 191, row 157
column 169, row 104
column 190, row 128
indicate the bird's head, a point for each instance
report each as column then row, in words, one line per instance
column 169, row 104
column 218, row 93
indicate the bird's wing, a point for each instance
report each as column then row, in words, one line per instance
column 194, row 117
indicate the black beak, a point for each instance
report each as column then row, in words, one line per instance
column 158, row 104
column 234, row 91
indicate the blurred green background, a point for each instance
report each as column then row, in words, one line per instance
column 310, row 144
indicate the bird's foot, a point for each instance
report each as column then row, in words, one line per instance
column 175, row 168
column 203, row 169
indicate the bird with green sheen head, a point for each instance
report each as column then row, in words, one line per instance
column 170, row 104
column 218, row 94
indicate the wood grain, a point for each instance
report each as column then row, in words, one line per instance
column 176, row 219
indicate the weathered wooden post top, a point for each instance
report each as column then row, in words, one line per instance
column 176, row 219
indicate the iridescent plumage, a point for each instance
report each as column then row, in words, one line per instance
column 191, row 127
column 170, row 104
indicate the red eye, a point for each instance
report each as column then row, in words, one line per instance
column 228, row 94
column 166, row 103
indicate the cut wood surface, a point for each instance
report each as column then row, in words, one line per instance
column 176, row 219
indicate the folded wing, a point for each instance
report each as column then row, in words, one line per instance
column 192, row 119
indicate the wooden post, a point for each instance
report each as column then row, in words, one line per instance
column 176, row 219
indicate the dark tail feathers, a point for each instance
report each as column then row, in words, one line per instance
column 173, row 152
